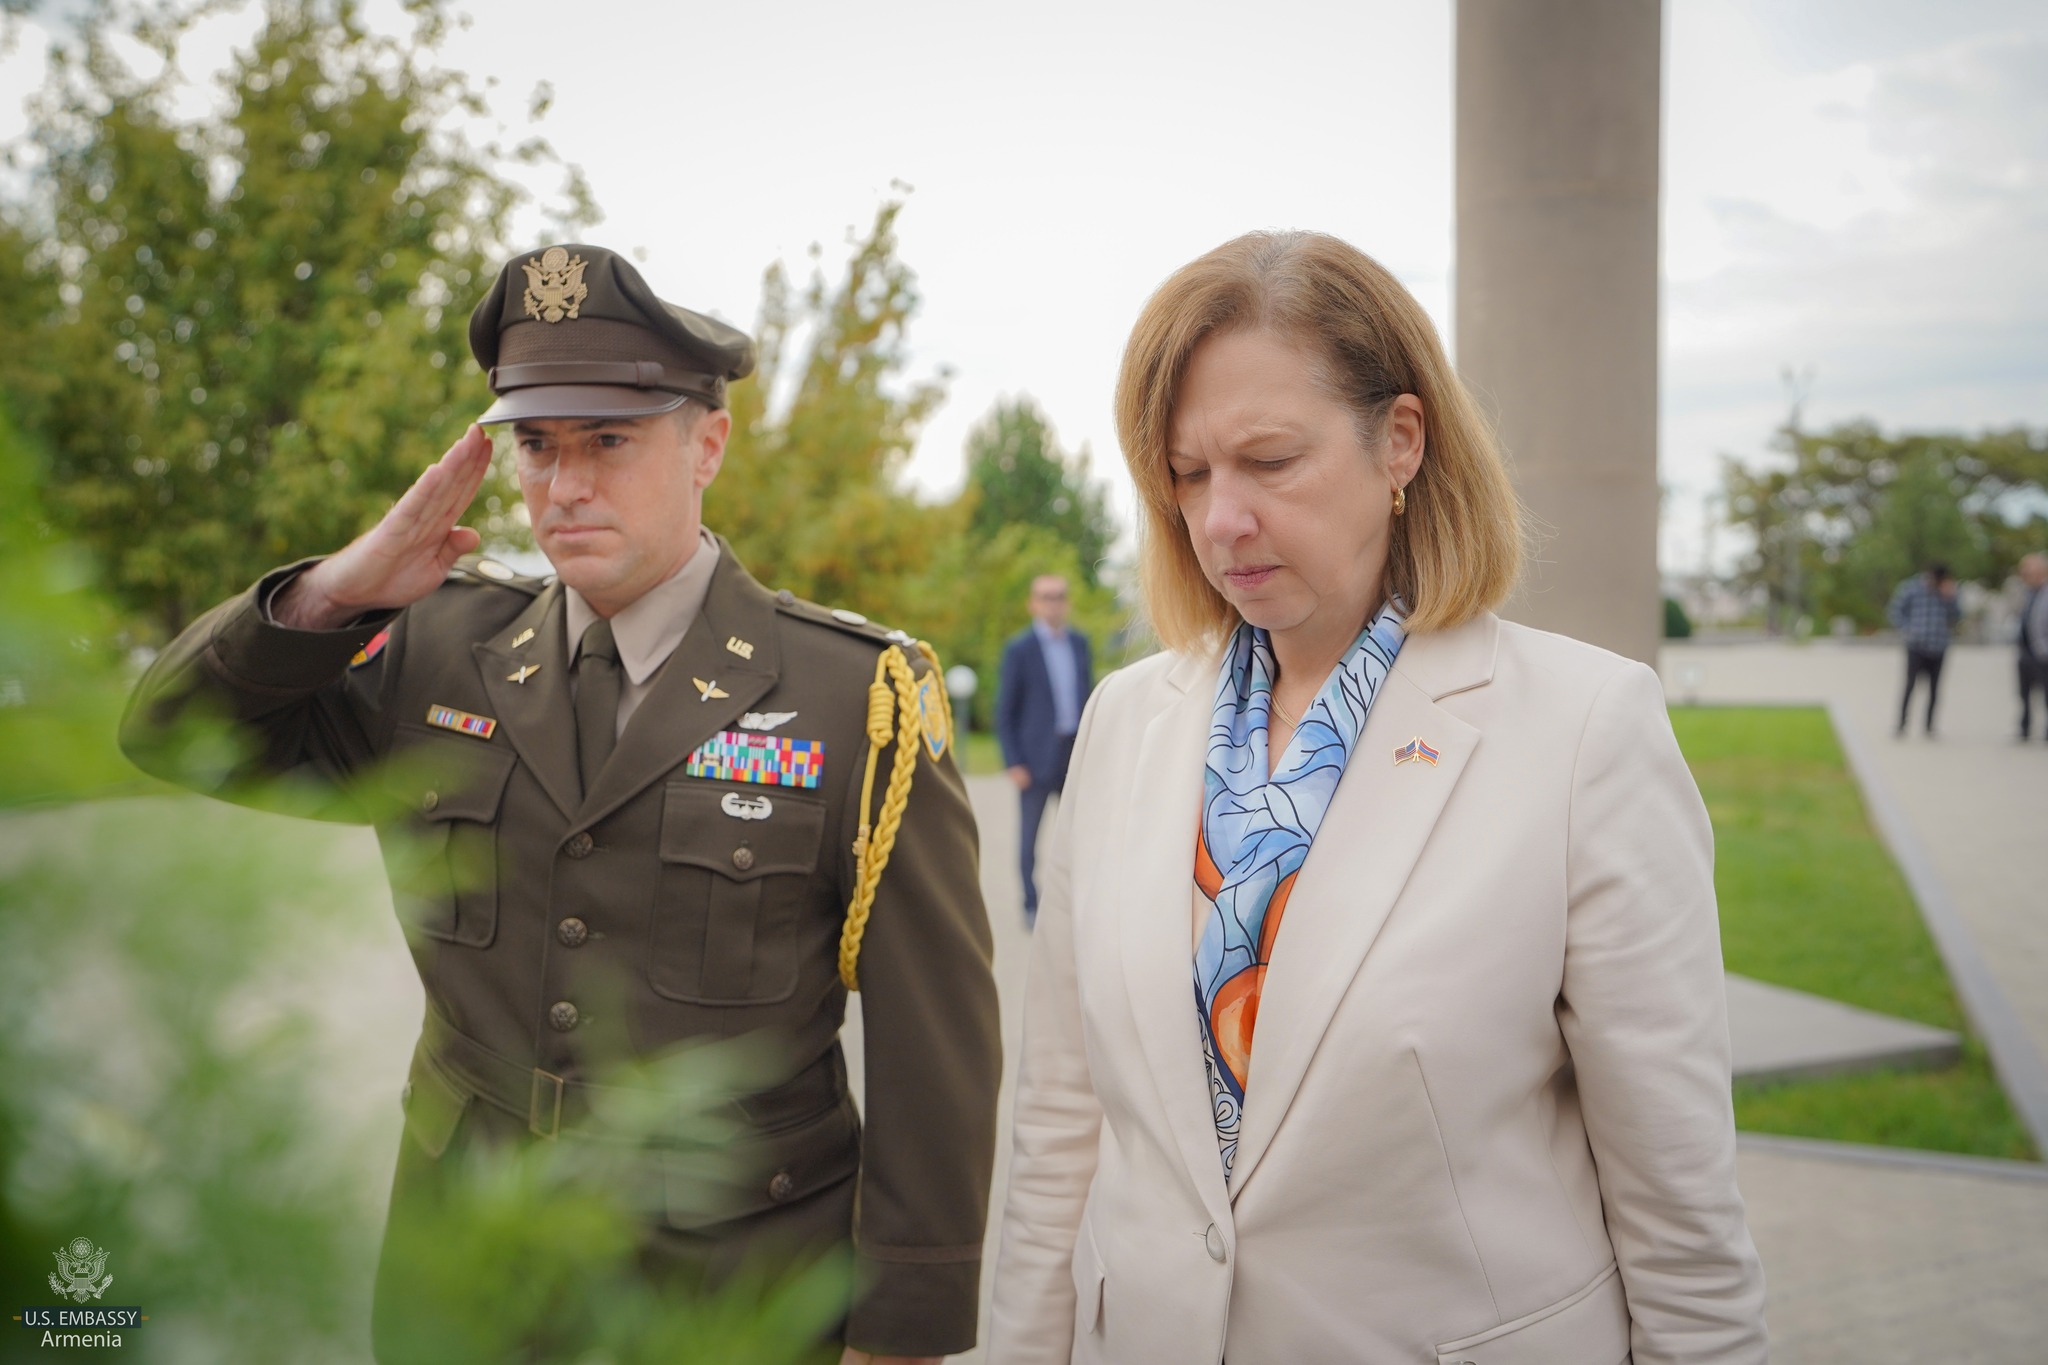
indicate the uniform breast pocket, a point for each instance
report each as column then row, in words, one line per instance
column 734, row 859
column 443, row 859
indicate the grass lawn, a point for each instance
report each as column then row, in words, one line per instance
column 1811, row 899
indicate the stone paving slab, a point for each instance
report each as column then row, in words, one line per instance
column 1891, row 1262
column 1780, row 1033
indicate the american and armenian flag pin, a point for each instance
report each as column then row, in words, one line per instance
column 709, row 691
column 448, row 718
column 522, row 637
column 371, row 650
column 525, row 671
column 1416, row 750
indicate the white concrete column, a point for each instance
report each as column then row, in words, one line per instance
column 1556, row 284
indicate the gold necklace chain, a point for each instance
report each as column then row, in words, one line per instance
column 1291, row 722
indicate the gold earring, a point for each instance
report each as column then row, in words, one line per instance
column 1400, row 501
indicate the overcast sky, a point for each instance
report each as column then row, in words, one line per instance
column 1855, row 187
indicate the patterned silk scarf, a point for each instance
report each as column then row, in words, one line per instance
column 1258, row 820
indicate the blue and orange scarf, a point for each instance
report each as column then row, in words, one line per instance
column 1258, row 820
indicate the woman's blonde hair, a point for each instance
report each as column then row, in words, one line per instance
column 1457, row 549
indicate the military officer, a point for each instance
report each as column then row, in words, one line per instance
column 646, row 787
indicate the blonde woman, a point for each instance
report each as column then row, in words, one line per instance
column 1375, row 1010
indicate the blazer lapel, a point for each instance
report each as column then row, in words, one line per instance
column 1377, row 825
column 536, row 711
column 1156, row 925
column 676, row 716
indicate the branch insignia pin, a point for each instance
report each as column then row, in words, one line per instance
column 709, row 691
column 525, row 671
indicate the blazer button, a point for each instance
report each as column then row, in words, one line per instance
column 1213, row 1239
column 430, row 800
column 781, row 1186
column 561, row 1016
column 580, row 844
column 571, row 932
column 743, row 857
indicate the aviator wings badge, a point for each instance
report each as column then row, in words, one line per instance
column 554, row 285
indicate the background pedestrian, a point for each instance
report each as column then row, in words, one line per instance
column 1924, row 612
column 2033, row 642
column 1047, row 673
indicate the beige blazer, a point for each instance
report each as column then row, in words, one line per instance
column 1487, row 1117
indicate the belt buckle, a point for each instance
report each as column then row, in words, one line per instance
column 544, row 1105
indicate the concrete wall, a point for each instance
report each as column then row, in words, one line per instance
column 1556, row 285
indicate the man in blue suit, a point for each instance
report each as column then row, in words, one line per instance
column 1046, row 678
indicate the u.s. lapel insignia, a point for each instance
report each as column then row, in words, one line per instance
column 709, row 691
column 1416, row 750
column 554, row 285
column 931, row 711
column 766, row 720
column 525, row 671
column 522, row 637
column 462, row 722
column 743, row 648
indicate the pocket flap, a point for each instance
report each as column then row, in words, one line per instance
column 706, row 1186
column 738, row 830
column 449, row 779
column 434, row 1106
column 1589, row 1327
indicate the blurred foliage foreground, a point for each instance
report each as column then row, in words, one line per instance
column 176, row 1073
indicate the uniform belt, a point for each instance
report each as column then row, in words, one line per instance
column 547, row 1100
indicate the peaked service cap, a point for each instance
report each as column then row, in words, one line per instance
column 573, row 331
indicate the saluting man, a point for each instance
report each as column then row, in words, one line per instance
column 648, row 796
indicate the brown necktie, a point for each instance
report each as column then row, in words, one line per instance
column 597, row 701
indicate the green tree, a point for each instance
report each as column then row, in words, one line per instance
column 1850, row 511
column 240, row 335
column 1019, row 476
column 810, row 494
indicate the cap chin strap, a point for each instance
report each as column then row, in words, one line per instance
column 634, row 374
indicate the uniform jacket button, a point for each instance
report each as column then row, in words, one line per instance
column 1213, row 1239
column 743, row 857
column 571, row 932
column 781, row 1187
column 580, row 844
column 561, row 1016
column 430, row 800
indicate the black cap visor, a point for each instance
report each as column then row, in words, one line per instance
column 579, row 401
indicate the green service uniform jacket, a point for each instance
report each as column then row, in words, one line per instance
column 553, row 927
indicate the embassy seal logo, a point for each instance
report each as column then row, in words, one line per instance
column 81, row 1276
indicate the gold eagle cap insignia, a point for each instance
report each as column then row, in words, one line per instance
column 554, row 285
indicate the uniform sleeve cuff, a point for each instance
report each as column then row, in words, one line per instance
column 258, row 653
column 914, row 1308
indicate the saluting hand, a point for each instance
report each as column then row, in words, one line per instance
column 403, row 557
